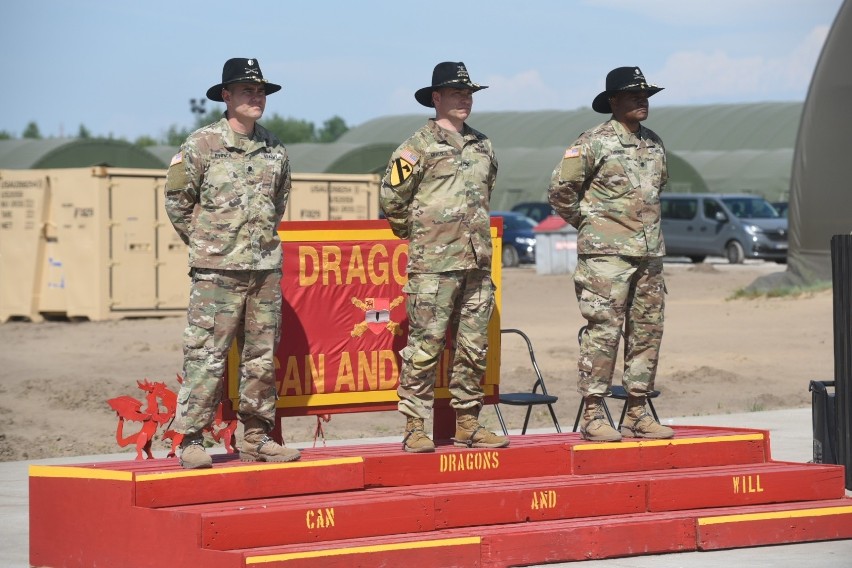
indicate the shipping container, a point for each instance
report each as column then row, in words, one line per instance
column 96, row 243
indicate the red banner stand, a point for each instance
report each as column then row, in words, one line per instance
column 344, row 322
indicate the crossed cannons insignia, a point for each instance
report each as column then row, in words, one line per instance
column 377, row 316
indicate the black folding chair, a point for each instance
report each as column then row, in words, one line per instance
column 531, row 398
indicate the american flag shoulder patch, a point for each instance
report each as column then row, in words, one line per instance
column 409, row 156
column 176, row 159
column 572, row 152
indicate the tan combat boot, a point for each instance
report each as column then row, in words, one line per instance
column 192, row 454
column 416, row 440
column 258, row 446
column 471, row 434
column 595, row 427
column 639, row 424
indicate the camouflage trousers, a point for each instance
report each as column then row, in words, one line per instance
column 225, row 305
column 619, row 295
column 460, row 301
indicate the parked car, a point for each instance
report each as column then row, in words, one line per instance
column 734, row 226
column 518, row 238
column 538, row 211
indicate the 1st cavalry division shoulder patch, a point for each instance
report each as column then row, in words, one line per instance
column 403, row 167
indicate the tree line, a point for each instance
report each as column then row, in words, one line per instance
column 288, row 130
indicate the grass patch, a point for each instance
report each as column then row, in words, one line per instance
column 781, row 292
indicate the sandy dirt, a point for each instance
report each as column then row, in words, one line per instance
column 720, row 355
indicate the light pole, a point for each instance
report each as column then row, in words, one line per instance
column 197, row 107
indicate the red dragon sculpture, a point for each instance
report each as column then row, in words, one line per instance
column 128, row 408
column 160, row 398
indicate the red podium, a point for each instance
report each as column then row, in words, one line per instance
column 546, row 498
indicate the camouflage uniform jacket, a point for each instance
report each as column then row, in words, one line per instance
column 608, row 186
column 226, row 195
column 436, row 194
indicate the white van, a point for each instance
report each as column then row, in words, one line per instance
column 698, row 225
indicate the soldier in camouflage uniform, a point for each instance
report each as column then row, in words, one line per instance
column 608, row 186
column 436, row 194
column 225, row 194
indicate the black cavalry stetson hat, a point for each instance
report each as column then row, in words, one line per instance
column 622, row 79
column 240, row 70
column 447, row 74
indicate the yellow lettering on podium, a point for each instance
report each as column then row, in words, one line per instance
column 330, row 263
column 543, row 500
column 314, row 376
column 747, row 484
column 327, row 263
column 387, row 358
column 305, row 278
column 378, row 271
column 356, row 267
column 345, row 376
column 319, row 518
column 468, row 461
column 367, row 371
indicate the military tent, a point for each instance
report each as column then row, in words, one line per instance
column 31, row 154
column 820, row 200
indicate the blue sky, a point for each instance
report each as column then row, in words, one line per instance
column 128, row 69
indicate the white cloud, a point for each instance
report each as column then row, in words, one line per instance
column 524, row 91
column 803, row 58
column 695, row 76
column 690, row 75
